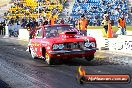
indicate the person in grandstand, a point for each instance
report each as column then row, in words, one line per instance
column 46, row 22
column 62, row 21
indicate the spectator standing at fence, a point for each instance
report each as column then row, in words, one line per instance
column 3, row 27
column 2, row 20
column 0, row 28
column 82, row 23
column 105, row 23
column 122, row 25
column 11, row 29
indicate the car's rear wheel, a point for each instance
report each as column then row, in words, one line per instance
column 90, row 57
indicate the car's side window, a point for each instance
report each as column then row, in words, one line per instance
column 39, row 33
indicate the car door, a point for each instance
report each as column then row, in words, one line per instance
column 37, row 42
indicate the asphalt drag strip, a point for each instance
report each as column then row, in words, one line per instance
column 4, row 85
column 19, row 70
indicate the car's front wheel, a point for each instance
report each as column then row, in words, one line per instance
column 51, row 61
column 90, row 57
column 48, row 59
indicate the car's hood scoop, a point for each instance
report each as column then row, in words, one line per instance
column 68, row 34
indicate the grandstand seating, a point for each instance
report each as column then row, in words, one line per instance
column 96, row 8
column 32, row 5
column 92, row 9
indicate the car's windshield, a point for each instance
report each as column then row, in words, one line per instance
column 54, row 31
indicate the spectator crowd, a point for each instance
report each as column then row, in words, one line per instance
column 31, row 13
column 95, row 9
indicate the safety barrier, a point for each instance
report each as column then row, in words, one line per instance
column 122, row 43
column 102, row 43
column 23, row 34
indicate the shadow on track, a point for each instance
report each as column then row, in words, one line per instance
column 79, row 62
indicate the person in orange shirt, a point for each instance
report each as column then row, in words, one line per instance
column 83, row 25
column 122, row 25
column 52, row 20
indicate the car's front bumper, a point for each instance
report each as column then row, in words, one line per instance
column 72, row 53
column 77, row 51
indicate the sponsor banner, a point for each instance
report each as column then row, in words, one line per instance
column 107, row 78
column 83, row 77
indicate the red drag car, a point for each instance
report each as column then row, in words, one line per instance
column 56, row 42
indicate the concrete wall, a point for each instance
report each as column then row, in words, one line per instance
column 102, row 42
column 123, row 43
